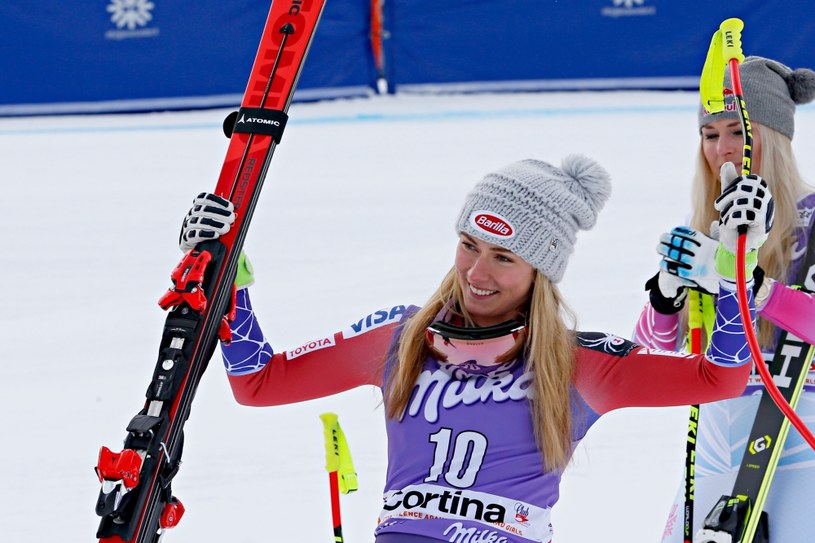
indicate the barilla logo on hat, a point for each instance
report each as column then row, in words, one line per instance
column 491, row 223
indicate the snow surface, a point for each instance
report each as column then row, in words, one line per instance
column 357, row 213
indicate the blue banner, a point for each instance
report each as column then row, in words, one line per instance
column 138, row 55
column 606, row 44
column 130, row 55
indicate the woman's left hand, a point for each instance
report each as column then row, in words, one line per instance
column 746, row 204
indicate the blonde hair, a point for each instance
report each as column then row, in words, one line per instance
column 780, row 170
column 549, row 353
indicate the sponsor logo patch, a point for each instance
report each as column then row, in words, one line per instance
column 496, row 515
column 491, row 223
column 309, row 347
column 375, row 320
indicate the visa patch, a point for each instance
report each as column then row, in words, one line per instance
column 375, row 320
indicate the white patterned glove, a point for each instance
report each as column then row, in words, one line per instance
column 745, row 202
column 687, row 261
column 209, row 218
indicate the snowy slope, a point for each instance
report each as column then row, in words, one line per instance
column 357, row 214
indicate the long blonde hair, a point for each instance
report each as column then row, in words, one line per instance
column 780, row 170
column 549, row 354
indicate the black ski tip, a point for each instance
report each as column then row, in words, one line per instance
column 229, row 124
column 287, row 28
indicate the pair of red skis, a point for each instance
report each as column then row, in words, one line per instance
column 136, row 501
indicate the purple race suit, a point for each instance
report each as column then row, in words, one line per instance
column 463, row 464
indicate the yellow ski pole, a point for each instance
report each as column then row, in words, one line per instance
column 341, row 474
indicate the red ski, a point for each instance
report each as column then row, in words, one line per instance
column 136, row 502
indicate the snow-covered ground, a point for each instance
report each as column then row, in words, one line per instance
column 357, row 213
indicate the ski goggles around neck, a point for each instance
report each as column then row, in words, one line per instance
column 484, row 351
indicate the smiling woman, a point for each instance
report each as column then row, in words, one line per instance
column 497, row 282
column 487, row 388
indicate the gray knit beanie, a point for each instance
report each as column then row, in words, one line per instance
column 535, row 209
column 771, row 91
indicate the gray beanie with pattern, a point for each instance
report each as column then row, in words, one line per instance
column 771, row 91
column 535, row 209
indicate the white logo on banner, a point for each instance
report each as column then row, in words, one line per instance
column 628, row 3
column 131, row 18
column 625, row 8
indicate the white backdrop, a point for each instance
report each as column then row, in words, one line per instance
column 357, row 214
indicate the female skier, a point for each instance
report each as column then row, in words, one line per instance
column 487, row 390
column 771, row 91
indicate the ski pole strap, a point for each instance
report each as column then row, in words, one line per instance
column 710, row 84
column 256, row 120
column 338, row 454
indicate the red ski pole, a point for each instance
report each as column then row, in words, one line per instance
column 731, row 48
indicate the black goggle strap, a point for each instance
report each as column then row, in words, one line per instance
column 451, row 331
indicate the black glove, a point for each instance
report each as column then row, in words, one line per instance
column 668, row 306
column 662, row 303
